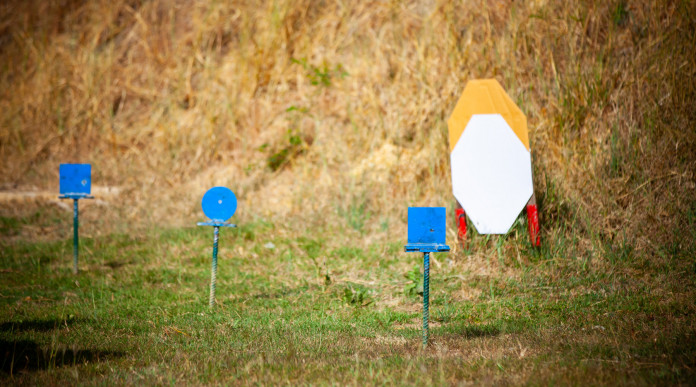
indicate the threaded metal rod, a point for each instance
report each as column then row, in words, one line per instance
column 76, row 238
column 426, row 296
column 213, row 275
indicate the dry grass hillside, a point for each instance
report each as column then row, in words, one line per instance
column 318, row 112
column 328, row 118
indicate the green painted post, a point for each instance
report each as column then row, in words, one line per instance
column 426, row 297
column 213, row 274
column 76, row 238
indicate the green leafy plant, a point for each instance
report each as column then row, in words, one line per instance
column 321, row 75
column 415, row 285
column 357, row 295
column 293, row 147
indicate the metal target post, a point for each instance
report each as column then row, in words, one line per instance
column 76, row 234
column 75, row 184
column 219, row 204
column 213, row 270
column 426, row 297
column 426, row 234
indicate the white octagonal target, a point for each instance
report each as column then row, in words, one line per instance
column 491, row 173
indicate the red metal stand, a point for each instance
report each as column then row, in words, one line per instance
column 461, row 224
column 533, row 224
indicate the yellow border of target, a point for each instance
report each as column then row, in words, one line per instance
column 486, row 96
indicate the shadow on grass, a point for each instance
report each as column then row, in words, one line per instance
column 115, row 264
column 472, row 331
column 468, row 331
column 278, row 293
column 40, row 325
column 27, row 356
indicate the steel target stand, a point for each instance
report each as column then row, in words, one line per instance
column 426, row 234
column 75, row 184
column 219, row 204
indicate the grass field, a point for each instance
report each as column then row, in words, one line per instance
column 322, row 311
column 328, row 119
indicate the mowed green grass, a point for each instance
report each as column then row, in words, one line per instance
column 326, row 306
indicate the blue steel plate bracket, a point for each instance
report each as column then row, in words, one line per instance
column 216, row 224
column 426, row 248
column 75, row 196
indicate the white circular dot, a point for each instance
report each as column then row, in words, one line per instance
column 220, row 201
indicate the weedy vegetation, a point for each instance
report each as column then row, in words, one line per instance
column 328, row 119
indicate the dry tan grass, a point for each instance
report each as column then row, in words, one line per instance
column 167, row 98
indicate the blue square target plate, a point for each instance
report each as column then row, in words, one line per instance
column 427, row 229
column 75, row 179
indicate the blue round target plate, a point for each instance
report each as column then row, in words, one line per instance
column 219, row 203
